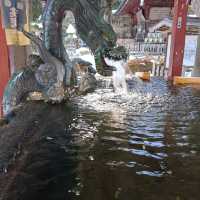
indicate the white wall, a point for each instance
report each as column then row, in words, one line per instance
column 189, row 53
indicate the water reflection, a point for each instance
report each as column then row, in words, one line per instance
column 146, row 140
column 44, row 164
column 144, row 145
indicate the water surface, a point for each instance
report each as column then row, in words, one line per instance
column 106, row 146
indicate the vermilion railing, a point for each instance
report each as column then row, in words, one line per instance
column 4, row 64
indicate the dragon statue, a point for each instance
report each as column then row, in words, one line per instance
column 52, row 72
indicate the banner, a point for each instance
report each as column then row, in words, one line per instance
column 15, row 18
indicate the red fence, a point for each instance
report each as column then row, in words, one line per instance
column 4, row 64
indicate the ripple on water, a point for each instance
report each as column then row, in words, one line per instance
column 144, row 145
column 149, row 125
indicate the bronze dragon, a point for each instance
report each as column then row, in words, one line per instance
column 54, row 72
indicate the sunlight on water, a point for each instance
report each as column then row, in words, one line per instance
column 141, row 98
column 137, row 122
column 130, row 145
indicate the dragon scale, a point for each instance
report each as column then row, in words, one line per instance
column 56, row 72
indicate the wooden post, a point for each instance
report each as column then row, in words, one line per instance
column 178, row 38
column 4, row 64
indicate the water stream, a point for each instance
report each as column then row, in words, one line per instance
column 119, row 76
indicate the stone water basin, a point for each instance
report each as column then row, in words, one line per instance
column 143, row 145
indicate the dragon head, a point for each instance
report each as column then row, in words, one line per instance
column 111, row 53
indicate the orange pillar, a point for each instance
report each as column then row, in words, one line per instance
column 178, row 38
column 4, row 64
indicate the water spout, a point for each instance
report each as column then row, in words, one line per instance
column 119, row 76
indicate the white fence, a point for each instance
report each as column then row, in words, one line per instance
column 142, row 48
column 149, row 48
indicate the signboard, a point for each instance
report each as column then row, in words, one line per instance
column 179, row 25
column 189, row 52
column 159, row 13
column 15, row 18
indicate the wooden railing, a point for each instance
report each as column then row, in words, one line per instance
column 148, row 48
column 143, row 48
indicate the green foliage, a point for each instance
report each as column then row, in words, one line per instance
column 36, row 9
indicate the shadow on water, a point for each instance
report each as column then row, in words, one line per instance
column 38, row 156
column 144, row 145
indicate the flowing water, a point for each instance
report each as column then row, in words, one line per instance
column 144, row 145
column 119, row 76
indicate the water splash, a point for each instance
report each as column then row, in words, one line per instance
column 119, row 76
column 141, row 97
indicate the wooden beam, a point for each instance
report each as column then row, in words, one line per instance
column 179, row 80
column 159, row 3
column 178, row 38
